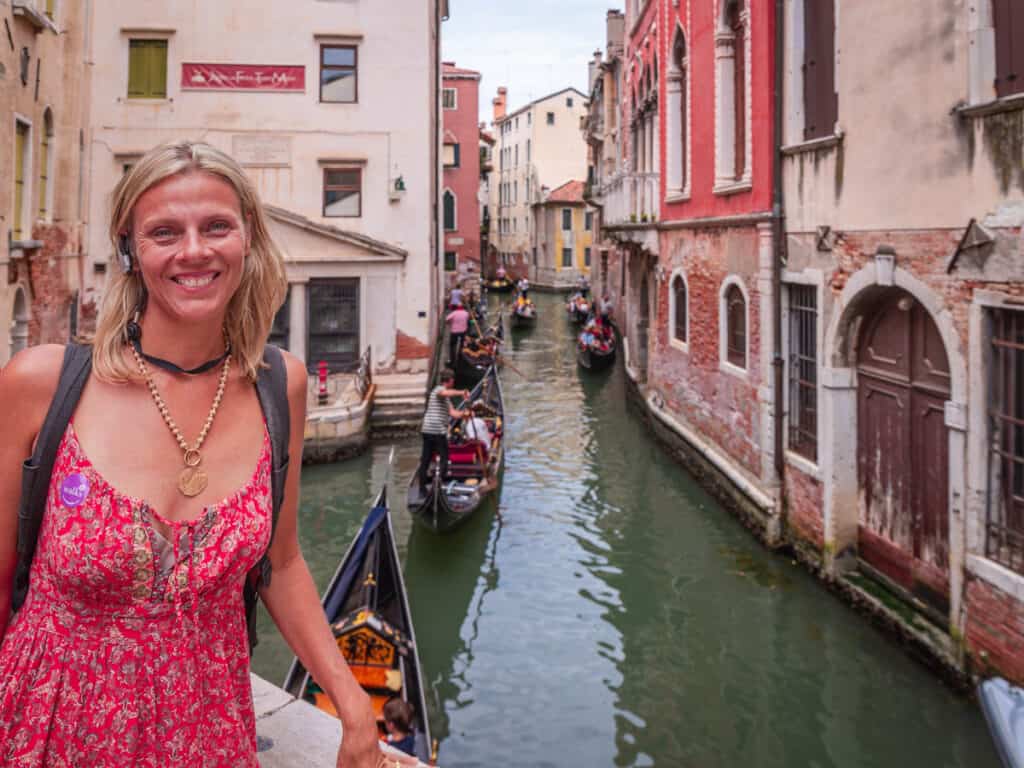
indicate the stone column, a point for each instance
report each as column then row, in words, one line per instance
column 725, row 107
column 675, row 152
column 839, row 461
column 297, row 321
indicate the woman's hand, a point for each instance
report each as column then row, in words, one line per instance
column 360, row 747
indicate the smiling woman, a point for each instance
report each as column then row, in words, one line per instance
column 168, row 496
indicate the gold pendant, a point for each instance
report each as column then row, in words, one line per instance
column 192, row 481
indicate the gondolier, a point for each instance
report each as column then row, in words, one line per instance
column 435, row 423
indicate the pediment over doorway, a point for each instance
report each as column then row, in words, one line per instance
column 304, row 240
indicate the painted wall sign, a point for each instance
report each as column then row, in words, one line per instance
column 262, row 150
column 242, row 77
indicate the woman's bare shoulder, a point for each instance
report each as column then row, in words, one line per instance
column 296, row 377
column 28, row 383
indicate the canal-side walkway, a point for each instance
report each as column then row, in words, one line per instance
column 292, row 733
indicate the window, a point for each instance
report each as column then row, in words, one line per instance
column 529, row 118
column 527, row 150
column 21, row 169
column 1008, row 20
column 451, row 155
column 45, row 165
column 566, row 219
column 735, row 309
column 333, row 334
column 677, row 118
column 147, row 69
column 448, row 201
column 551, row 118
column 448, row 98
column 516, row 163
column 679, row 309
column 515, row 191
column 568, row 101
column 731, row 82
column 343, row 192
column 803, row 370
column 450, row 261
column 281, row 329
column 1004, row 529
column 586, row 256
column 821, row 104
column 588, row 220
column 567, row 257
column 339, row 74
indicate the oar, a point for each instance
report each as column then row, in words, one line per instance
column 504, row 361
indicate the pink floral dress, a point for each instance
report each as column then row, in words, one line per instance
column 131, row 649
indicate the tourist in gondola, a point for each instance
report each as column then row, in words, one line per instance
column 128, row 646
column 398, row 716
column 458, row 324
column 523, row 286
column 456, row 297
column 583, row 286
column 605, row 308
column 435, row 423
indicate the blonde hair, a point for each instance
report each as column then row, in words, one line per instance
column 251, row 310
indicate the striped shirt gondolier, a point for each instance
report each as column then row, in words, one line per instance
column 435, row 420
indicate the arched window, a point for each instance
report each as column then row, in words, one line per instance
column 677, row 118
column 679, row 308
column 449, row 210
column 45, row 164
column 731, row 81
column 735, row 306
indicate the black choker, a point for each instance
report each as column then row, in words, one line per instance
column 167, row 365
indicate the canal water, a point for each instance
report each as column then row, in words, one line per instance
column 605, row 611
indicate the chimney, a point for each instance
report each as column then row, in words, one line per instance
column 616, row 26
column 499, row 103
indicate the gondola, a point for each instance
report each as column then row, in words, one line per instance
column 474, row 465
column 578, row 309
column 524, row 314
column 476, row 358
column 367, row 608
column 592, row 354
column 500, row 285
column 1003, row 705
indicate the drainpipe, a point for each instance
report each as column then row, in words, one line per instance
column 779, row 240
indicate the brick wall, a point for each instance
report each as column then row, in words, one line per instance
column 995, row 631
column 409, row 348
column 51, row 294
column 805, row 501
column 722, row 406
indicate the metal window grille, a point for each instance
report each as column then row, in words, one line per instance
column 803, row 370
column 1004, row 531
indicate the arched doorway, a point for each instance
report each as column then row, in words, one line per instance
column 19, row 322
column 903, row 383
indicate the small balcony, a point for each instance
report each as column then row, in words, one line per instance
column 631, row 207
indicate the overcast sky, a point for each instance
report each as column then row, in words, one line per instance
column 532, row 47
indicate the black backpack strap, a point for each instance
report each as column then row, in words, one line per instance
column 272, row 390
column 36, row 471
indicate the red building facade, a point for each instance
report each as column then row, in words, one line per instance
column 460, row 99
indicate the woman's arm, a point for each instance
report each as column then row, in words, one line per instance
column 27, row 384
column 294, row 604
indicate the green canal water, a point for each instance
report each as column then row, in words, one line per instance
column 605, row 611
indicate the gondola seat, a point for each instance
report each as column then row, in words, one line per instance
column 469, row 452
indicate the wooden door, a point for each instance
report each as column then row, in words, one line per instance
column 903, row 448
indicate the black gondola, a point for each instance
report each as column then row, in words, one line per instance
column 500, row 285
column 593, row 352
column 474, row 465
column 524, row 314
column 476, row 357
column 578, row 309
column 367, row 608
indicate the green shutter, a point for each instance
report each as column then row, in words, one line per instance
column 44, row 150
column 20, row 140
column 147, row 69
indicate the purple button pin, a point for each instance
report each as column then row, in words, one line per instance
column 74, row 489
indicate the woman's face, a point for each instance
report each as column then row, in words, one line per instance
column 191, row 242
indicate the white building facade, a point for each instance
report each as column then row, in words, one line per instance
column 336, row 122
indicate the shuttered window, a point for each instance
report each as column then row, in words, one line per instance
column 567, row 257
column 448, row 205
column 44, row 165
column 147, row 69
column 821, row 103
column 20, row 148
column 566, row 219
column 1008, row 19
